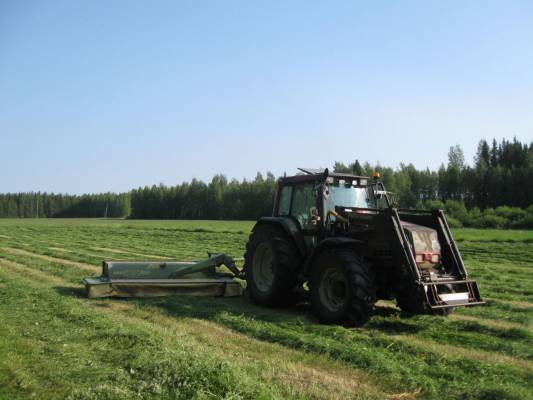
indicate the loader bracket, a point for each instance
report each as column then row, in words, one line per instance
column 465, row 293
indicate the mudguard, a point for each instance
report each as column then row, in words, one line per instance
column 290, row 227
column 332, row 243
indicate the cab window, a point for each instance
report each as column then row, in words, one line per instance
column 349, row 196
column 285, row 201
column 304, row 199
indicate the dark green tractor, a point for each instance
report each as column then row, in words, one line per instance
column 338, row 239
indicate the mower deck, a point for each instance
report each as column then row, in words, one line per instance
column 164, row 278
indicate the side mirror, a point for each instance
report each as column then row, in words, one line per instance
column 325, row 191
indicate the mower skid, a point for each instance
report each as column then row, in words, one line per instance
column 217, row 287
column 465, row 293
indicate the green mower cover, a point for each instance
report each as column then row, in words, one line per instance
column 164, row 278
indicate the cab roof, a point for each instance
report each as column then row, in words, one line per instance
column 317, row 175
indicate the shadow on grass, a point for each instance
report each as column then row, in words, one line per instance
column 226, row 311
column 70, row 291
column 211, row 309
column 384, row 311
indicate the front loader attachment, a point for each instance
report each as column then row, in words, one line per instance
column 163, row 278
column 450, row 288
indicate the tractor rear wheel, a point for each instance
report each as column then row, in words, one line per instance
column 271, row 263
column 342, row 287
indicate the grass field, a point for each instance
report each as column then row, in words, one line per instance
column 54, row 343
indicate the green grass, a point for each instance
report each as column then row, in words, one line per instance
column 54, row 343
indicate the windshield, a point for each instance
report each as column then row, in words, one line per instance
column 349, row 196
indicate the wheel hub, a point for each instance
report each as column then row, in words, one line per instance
column 262, row 268
column 333, row 290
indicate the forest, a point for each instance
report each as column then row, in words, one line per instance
column 494, row 191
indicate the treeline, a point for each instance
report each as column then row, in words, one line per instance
column 494, row 191
column 50, row 205
column 218, row 199
column 501, row 175
column 459, row 216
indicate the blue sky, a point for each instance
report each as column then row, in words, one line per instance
column 110, row 95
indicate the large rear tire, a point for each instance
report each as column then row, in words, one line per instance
column 271, row 265
column 342, row 287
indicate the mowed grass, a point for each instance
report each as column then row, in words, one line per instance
column 54, row 343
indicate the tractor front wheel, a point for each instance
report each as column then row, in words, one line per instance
column 342, row 287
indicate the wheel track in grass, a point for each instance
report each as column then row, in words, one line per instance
column 122, row 251
column 509, row 294
column 84, row 254
column 72, row 247
column 73, row 255
column 461, row 334
column 461, row 317
column 65, row 262
column 525, row 305
column 522, row 269
column 477, row 355
column 319, row 380
column 211, row 331
column 500, row 311
column 490, row 323
column 80, row 248
column 38, row 274
column 60, row 249
column 138, row 240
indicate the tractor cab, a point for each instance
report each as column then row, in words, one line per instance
column 318, row 199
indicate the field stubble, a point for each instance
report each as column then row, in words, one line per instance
column 54, row 343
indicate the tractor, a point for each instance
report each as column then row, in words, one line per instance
column 340, row 240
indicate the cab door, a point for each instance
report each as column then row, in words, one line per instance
column 304, row 200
